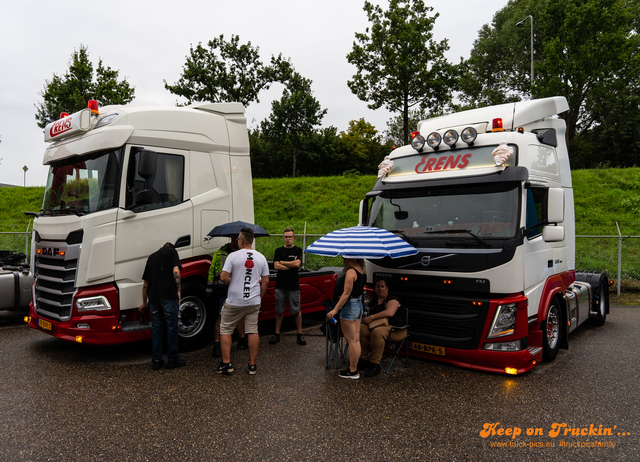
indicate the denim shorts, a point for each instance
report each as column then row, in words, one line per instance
column 352, row 310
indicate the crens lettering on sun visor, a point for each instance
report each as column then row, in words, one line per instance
column 517, row 174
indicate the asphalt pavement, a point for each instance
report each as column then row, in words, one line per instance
column 66, row 401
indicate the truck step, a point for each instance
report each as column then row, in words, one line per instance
column 135, row 326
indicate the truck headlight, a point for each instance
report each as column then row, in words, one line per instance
column 504, row 322
column 503, row 346
column 98, row 303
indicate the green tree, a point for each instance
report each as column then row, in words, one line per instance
column 321, row 153
column 395, row 129
column 585, row 50
column 364, row 147
column 227, row 71
column 71, row 92
column 295, row 115
column 398, row 63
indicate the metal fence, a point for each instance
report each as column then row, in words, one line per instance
column 16, row 242
column 616, row 254
column 306, row 234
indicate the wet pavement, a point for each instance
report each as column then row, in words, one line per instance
column 65, row 401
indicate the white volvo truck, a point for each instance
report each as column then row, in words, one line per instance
column 494, row 285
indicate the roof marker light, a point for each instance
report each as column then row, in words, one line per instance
column 414, row 134
column 497, row 125
column 93, row 105
column 64, row 114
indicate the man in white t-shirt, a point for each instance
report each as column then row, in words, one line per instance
column 246, row 272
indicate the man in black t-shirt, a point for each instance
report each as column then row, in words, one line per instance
column 287, row 260
column 162, row 288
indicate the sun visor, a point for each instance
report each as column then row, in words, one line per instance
column 70, row 125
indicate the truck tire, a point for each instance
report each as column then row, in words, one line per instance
column 194, row 317
column 551, row 331
column 600, row 303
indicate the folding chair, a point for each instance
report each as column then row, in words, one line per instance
column 334, row 340
column 396, row 346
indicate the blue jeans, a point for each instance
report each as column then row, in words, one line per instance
column 352, row 310
column 167, row 311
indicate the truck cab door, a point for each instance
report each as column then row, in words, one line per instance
column 154, row 209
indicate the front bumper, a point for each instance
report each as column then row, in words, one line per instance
column 102, row 330
column 498, row 362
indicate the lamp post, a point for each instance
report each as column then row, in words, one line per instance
column 520, row 24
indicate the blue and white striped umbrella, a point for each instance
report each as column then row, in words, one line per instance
column 361, row 242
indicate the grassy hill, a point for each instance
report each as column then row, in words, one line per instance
column 602, row 198
column 14, row 202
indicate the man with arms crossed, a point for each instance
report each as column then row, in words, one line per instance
column 287, row 260
column 246, row 272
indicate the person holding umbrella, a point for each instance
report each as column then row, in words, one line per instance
column 215, row 287
column 350, row 306
column 246, row 272
column 354, row 245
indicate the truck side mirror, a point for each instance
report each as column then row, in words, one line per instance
column 555, row 205
column 553, row 233
column 364, row 207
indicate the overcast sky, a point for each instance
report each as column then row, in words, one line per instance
column 148, row 41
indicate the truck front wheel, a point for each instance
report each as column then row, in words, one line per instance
column 551, row 332
column 194, row 321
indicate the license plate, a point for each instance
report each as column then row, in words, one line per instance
column 45, row 324
column 423, row 348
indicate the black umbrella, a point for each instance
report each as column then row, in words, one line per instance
column 233, row 228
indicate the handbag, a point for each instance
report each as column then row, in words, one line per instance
column 382, row 322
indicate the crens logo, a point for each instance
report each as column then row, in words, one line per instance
column 61, row 126
column 434, row 164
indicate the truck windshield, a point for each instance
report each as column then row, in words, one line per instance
column 81, row 185
column 479, row 213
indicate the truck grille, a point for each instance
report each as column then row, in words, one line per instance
column 55, row 278
column 448, row 321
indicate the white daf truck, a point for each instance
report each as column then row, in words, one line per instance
column 124, row 180
column 494, row 285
